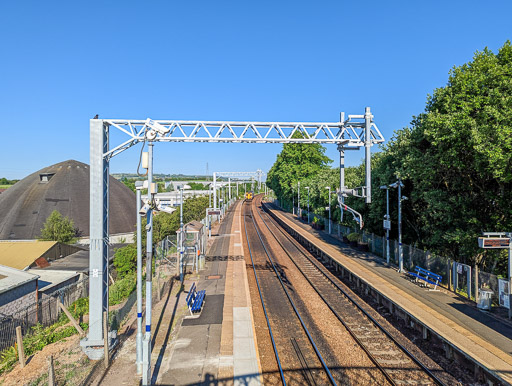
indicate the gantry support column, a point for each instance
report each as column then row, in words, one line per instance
column 93, row 345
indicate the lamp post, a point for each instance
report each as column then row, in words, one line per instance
column 398, row 184
column 328, row 187
column 307, row 187
column 293, row 202
column 299, row 212
column 182, row 187
column 387, row 223
column 138, row 186
column 146, row 344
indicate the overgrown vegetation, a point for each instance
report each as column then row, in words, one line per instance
column 122, row 288
column 455, row 161
column 125, row 260
column 39, row 336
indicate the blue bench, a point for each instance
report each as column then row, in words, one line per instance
column 195, row 299
column 427, row 276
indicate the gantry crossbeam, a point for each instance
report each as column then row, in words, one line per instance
column 350, row 132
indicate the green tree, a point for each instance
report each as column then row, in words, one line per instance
column 58, row 228
column 455, row 161
column 296, row 162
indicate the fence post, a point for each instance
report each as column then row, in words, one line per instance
column 450, row 281
column 71, row 319
column 475, row 270
column 21, row 351
column 384, row 246
column 105, row 337
column 427, row 260
column 51, row 372
column 410, row 257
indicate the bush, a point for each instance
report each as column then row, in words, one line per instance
column 121, row 289
column 354, row 237
column 125, row 260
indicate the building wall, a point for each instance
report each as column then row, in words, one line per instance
column 18, row 298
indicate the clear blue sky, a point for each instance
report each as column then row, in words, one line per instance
column 62, row 62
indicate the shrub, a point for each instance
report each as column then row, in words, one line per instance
column 354, row 237
column 125, row 260
column 121, row 289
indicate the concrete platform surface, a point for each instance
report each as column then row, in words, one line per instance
column 219, row 346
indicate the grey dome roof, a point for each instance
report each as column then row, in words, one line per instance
column 26, row 205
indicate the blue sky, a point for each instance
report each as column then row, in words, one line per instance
column 63, row 62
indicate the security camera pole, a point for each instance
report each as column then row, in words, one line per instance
column 328, row 187
column 146, row 348
column 307, row 187
column 387, row 223
column 181, row 234
column 298, row 200
column 400, row 185
column 138, row 187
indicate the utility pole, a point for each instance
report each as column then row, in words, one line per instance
column 328, row 187
column 387, row 222
column 307, row 187
column 146, row 348
column 299, row 212
column 181, row 234
column 398, row 184
column 139, row 279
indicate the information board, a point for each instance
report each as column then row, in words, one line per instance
column 493, row 242
column 503, row 289
column 387, row 225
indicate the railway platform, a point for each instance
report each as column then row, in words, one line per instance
column 468, row 334
column 219, row 346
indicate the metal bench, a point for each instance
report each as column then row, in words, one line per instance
column 195, row 299
column 426, row 276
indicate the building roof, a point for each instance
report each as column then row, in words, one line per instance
column 26, row 205
column 49, row 278
column 21, row 254
column 11, row 278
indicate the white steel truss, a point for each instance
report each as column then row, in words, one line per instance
column 350, row 132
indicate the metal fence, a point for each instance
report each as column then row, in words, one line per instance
column 412, row 257
column 45, row 312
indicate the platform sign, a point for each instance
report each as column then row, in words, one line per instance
column 214, row 212
column 493, row 242
column 387, row 224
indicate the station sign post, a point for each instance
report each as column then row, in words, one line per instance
column 500, row 240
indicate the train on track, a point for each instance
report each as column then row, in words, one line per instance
column 249, row 195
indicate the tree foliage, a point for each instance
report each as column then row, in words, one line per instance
column 166, row 224
column 58, row 228
column 296, row 162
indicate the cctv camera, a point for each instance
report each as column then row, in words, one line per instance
column 144, row 210
column 155, row 126
column 166, row 209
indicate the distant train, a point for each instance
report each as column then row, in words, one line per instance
column 249, row 195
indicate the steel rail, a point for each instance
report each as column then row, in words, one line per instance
column 324, row 365
column 371, row 318
column 263, row 304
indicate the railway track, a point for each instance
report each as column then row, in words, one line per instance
column 396, row 363
column 297, row 356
